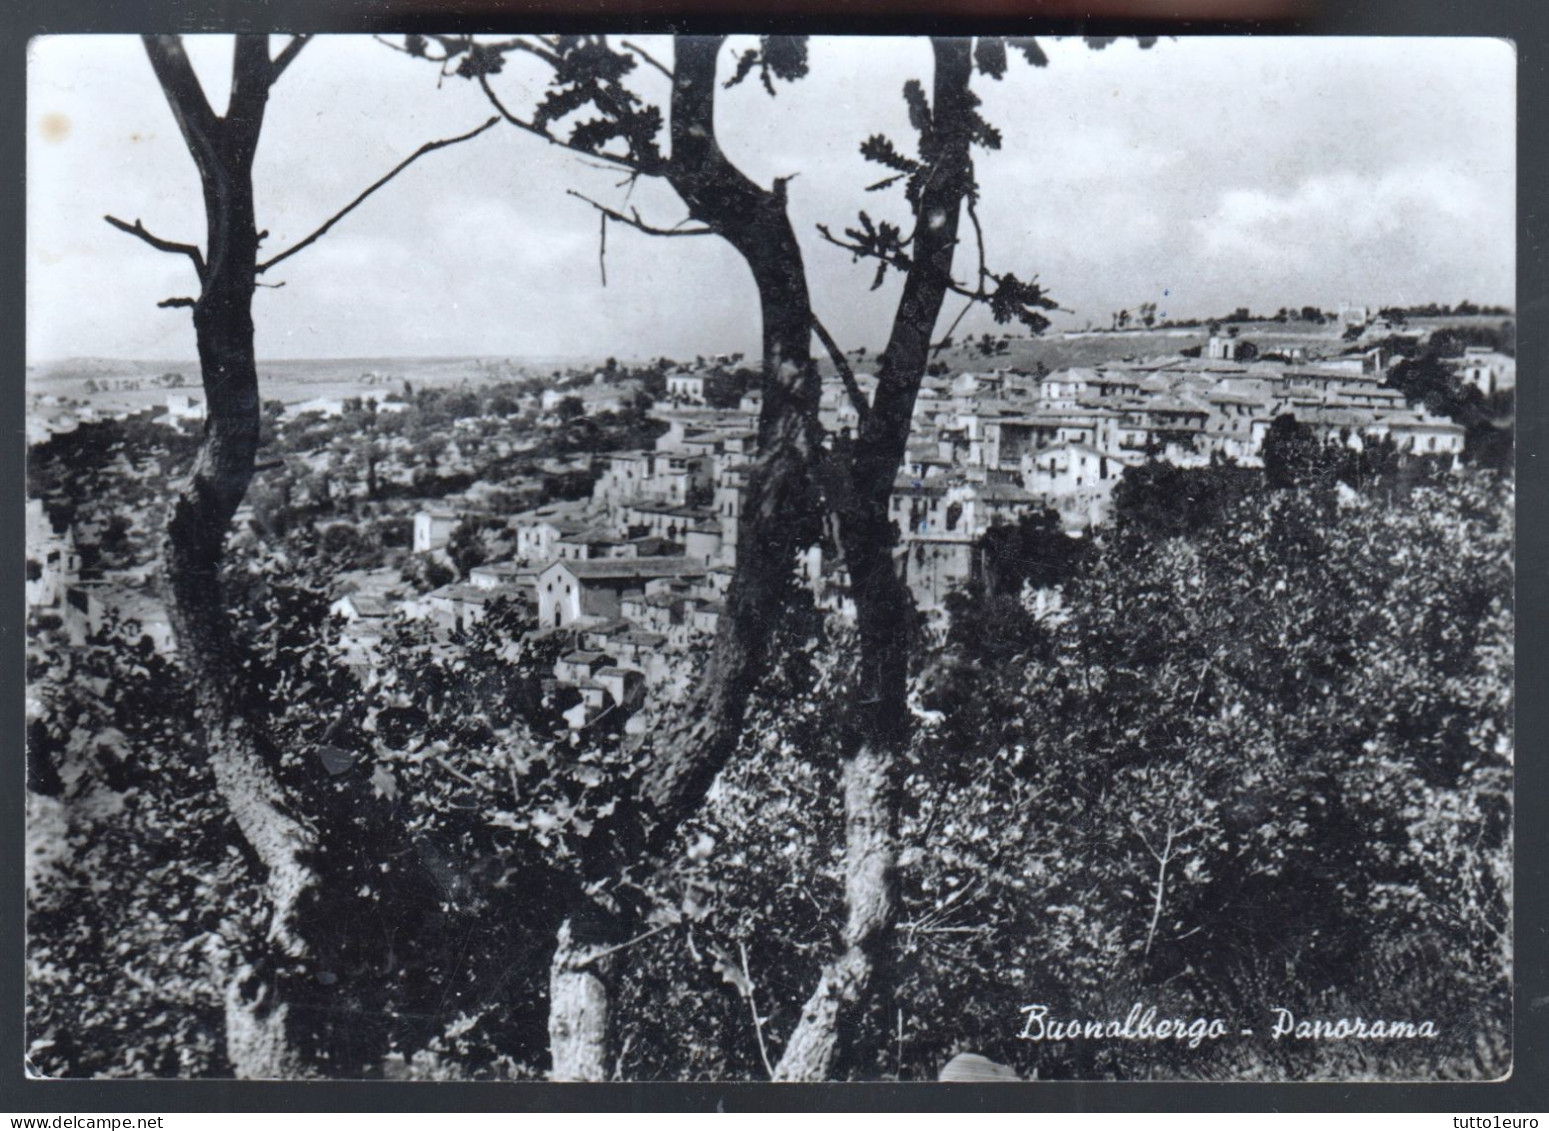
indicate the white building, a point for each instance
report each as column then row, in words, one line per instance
column 184, row 408
column 686, row 388
column 53, row 562
column 1221, row 347
column 1487, row 370
column 433, row 528
column 571, row 590
column 1077, row 479
column 130, row 613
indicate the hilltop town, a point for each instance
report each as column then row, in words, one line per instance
column 603, row 503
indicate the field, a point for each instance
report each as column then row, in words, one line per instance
column 1063, row 350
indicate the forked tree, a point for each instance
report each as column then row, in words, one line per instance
column 781, row 505
column 273, row 821
column 796, row 482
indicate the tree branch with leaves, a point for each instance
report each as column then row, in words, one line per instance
column 588, row 108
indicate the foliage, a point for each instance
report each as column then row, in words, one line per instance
column 1308, row 689
column 988, row 619
column 1305, row 706
column 466, row 547
column 133, row 893
column 1156, row 499
column 424, row 573
column 422, row 939
column 776, row 57
column 1302, row 696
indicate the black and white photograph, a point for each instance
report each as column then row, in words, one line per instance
column 741, row 557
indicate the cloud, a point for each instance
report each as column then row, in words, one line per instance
column 1343, row 212
column 1221, row 171
column 1423, row 229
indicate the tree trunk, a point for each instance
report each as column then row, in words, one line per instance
column 580, row 1007
column 780, row 519
column 240, row 754
column 239, row 751
column 280, row 1010
column 840, row 1024
column 843, row 1019
column 837, row 1026
column 258, row 1043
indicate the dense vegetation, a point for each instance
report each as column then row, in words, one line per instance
column 1296, row 691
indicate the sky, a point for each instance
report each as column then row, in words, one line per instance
column 1202, row 175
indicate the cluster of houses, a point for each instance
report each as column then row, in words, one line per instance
column 641, row 567
column 49, row 415
column 1489, row 371
column 989, row 447
column 636, row 570
column 126, row 604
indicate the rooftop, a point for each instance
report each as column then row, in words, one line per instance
column 367, row 605
column 631, row 568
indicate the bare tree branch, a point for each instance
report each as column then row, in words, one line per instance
column 633, row 220
column 899, row 261
column 902, row 263
column 595, row 955
column 973, row 215
column 1161, row 885
column 520, row 44
column 984, row 273
column 455, row 45
column 758, row 1022
column 186, row 96
column 946, row 339
column 846, row 374
column 181, row 300
column 646, row 55
column 138, row 230
column 385, row 42
column 458, row 774
column 542, row 47
column 602, row 246
column 428, row 147
column 288, row 55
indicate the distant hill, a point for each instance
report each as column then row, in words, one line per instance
column 1068, row 349
column 283, row 380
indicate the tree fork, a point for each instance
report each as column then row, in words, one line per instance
column 240, row 752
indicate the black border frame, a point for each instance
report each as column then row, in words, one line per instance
column 1525, row 22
